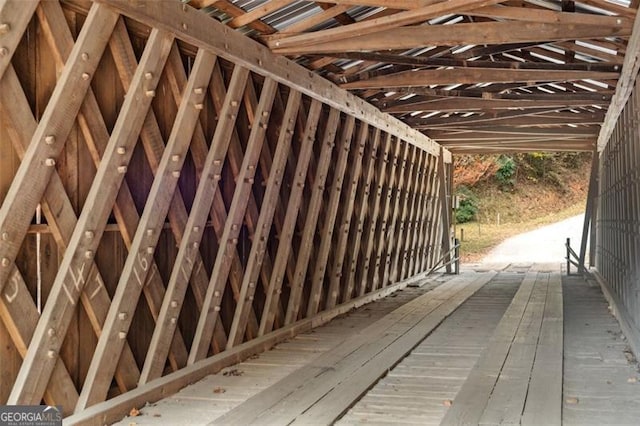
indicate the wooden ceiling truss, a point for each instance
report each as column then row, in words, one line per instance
column 395, row 53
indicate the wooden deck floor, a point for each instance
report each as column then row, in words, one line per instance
column 494, row 355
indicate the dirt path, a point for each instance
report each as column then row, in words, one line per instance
column 544, row 244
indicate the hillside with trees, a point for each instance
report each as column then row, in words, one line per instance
column 507, row 194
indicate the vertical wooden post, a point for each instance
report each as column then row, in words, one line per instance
column 445, row 210
column 590, row 208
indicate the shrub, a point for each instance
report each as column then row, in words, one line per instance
column 506, row 171
column 468, row 208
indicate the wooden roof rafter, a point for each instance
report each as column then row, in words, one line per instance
column 496, row 57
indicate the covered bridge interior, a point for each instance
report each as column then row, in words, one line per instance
column 185, row 185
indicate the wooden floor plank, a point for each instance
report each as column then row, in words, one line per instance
column 596, row 388
column 544, row 398
column 472, row 399
column 227, row 389
column 452, row 350
column 342, row 396
column 382, row 344
column 419, row 390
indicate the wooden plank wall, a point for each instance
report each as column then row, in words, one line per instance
column 618, row 219
column 167, row 197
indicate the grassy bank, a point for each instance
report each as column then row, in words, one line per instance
column 480, row 238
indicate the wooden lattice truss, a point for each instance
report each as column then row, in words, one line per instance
column 474, row 75
column 176, row 198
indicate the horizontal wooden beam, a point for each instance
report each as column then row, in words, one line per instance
column 474, row 76
column 495, row 49
column 194, row 27
column 462, row 104
column 429, row 94
column 409, row 17
column 519, row 149
column 459, row 34
column 549, row 16
column 451, row 134
column 496, row 115
column 259, row 12
column 397, row 59
column 483, row 137
column 434, row 94
column 524, row 122
column 548, row 145
column 397, row 4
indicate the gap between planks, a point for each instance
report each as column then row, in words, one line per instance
column 323, row 390
column 518, row 377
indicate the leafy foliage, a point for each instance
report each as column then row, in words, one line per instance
column 468, row 205
column 506, row 171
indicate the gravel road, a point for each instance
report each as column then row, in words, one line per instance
column 544, row 244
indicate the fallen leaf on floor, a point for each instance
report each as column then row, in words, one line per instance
column 234, row 372
column 219, row 390
column 134, row 412
column 157, row 415
column 447, row 403
column 632, row 380
column 571, row 400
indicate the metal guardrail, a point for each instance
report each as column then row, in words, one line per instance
column 572, row 259
column 455, row 260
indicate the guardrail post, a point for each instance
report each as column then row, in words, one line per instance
column 456, row 254
column 568, row 244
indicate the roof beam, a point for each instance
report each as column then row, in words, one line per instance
column 492, row 116
column 462, row 63
column 466, row 104
column 524, row 122
column 484, row 51
column 397, row 4
column 428, row 95
column 624, row 88
column 259, row 12
column 551, row 146
column 474, row 76
column 362, row 28
column 457, row 34
column 548, row 16
column 507, row 131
